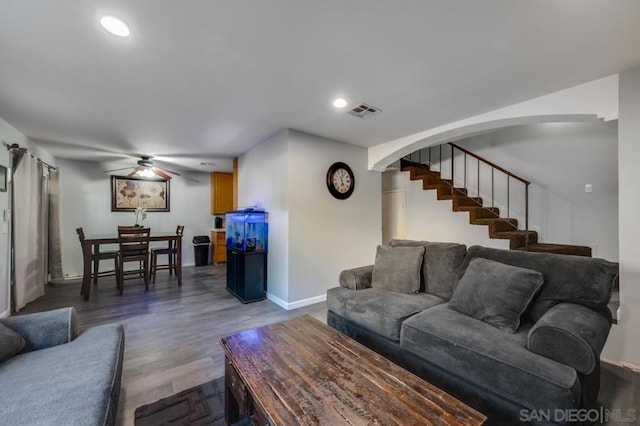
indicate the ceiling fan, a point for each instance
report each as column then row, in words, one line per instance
column 146, row 169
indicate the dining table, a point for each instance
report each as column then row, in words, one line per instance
column 96, row 240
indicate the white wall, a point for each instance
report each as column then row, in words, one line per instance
column 559, row 159
column 85, row 193
column 583, row 103
column 623, row 343
column 312, row 236
column 327, row 235
column 262, row 182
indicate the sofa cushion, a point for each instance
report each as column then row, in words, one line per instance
column 441, row 265
column 68, row 384
column 583, row 280
column 398, row 269
column 490, row 359
column 10, row 343
column 495, row 293
column 378, row 310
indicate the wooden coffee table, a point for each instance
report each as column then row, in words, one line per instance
column 302, row 371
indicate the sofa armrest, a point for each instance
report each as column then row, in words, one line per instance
column 357, row 278
column 45, row 329
column 571, row 334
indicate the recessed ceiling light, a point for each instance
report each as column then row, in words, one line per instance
column 340, row 103
column 115, row 26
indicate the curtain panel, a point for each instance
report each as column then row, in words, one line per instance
column 28, row 230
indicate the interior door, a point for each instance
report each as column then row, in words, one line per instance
column 393, row 215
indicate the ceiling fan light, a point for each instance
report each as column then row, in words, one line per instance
column 146, row 173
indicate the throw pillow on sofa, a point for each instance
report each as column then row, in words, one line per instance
column 441, row 265
column 10, row 343
column 495, row 293
column 398, row 269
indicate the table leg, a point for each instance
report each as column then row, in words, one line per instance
column 86, row 270
column 231, row 408
column 179, row 260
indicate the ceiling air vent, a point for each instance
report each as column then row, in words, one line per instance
column 364, row 111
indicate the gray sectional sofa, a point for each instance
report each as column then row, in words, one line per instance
column 50, row 375
column 516, row 335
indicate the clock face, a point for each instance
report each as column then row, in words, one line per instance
column 340, row 181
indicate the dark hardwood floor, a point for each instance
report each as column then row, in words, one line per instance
column 172, row 333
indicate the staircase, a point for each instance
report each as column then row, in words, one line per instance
column 499, row 227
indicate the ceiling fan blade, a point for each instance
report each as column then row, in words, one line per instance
column 160, row 173
column 116, row 170
column 172, row 172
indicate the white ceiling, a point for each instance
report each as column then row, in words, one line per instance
column 200, row 80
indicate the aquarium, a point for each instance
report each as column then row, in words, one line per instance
column 247, row 229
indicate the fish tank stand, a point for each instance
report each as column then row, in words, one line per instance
column 247, row 275
column 246, row 233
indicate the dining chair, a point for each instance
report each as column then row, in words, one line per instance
column 134, row 247
column 96, row 257
column 140, row 269
column 171, row 252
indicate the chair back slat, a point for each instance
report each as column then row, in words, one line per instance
column 133, row 241
column 80, row 232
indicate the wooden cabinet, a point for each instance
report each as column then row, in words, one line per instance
column 221, row 192
column 219, row 252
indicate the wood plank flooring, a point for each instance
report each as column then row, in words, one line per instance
column 172, row 333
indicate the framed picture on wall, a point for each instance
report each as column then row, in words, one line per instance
column 128, row 193
column 3, row 179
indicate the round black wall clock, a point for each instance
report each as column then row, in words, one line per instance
column 340, row 181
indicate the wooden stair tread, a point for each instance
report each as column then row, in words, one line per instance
column 559, row 249
column 491, row 220
column 465, row 208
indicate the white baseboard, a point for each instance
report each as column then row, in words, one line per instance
column 298, row 303
column 5, row 313
column 71, row 277
column 620, row 363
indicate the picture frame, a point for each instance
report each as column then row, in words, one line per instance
column 3, row 179
column 129, row 193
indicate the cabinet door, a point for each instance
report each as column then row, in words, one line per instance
column 221, row 192
column 213, row 252
column 232, row 270
column 240, row 275
column 254, row 276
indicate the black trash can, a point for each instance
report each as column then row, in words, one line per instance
column 201, row 249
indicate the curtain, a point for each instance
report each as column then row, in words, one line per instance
column 28, row 229
column 55, row 251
